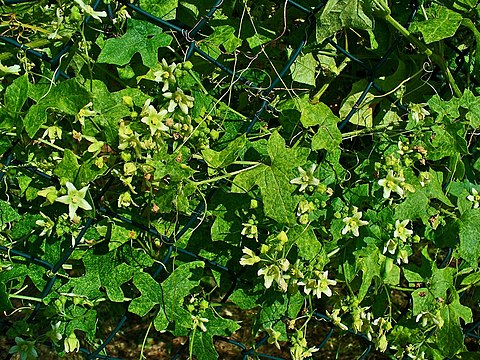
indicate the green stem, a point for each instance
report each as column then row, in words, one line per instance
column 401, row 288
column 402, row 30
column 24, row 297
column 43, row 141
column 366, row 130
column 216, row 178
column 427, row 51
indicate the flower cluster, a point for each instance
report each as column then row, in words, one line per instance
column 276, row 268
column 399, row 244
column 197, row 308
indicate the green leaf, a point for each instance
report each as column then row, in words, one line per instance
column 415, row 206
column 16, row 95
column 448, row 140
column 262, row 36
column 221, row 159
column 81, row 319
column 225, row 35
column 67, row 169
column 247, row 298
column 89, row 171
column 450, row 338
column 175, row 288
column 448, row 108
column 165, row 9
column 427, row 298
column 227, row 224
column 369, row 260
column 111, row 110
column 328, row 136
column 442, row 24
column 67, row 97
column 472, row 103
column 471, row 279
column 119, row 236
column 273, row 179
column 307, row 243
column 202, row 342
column 17, row 272
column 434, row 189
column 469, row 248
column 7, row 214
column 304, row 69
column 338, row 14
column 141, row 37
column 415, row 274
column 101, row 272
column 151, row 294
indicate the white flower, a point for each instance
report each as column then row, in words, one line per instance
column 249, row 258
column 74, row 199
column 87, row 9
column 84, row 112
column 418, row 111
column 319, row 285
column 46, row 223
column 166, row 74
column 475, row 198
column 353, row 223
column 178, row 98
column 391, row 183
column 71, row 343
column 336, row 319
column 153, row 118
column 54, row 335
column 199, row 322
column 14, row 69
column 390, row 246
column 306, row 178
column 401, row 231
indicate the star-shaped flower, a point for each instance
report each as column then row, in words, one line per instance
column 353, row 223
column 306, row 178
column 319, row 285
column 418, row 111
column 166, row 74
column 401, row 231
column 391, row 183
column 178, row 98
column 153, row 119
column 74, row 199
column 249, row 258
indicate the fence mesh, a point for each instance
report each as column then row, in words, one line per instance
column 187, row 40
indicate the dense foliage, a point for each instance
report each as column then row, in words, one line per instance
column 372, row 222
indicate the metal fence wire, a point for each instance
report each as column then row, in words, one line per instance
column 189, row 36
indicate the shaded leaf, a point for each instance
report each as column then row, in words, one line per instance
column 469, row 229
